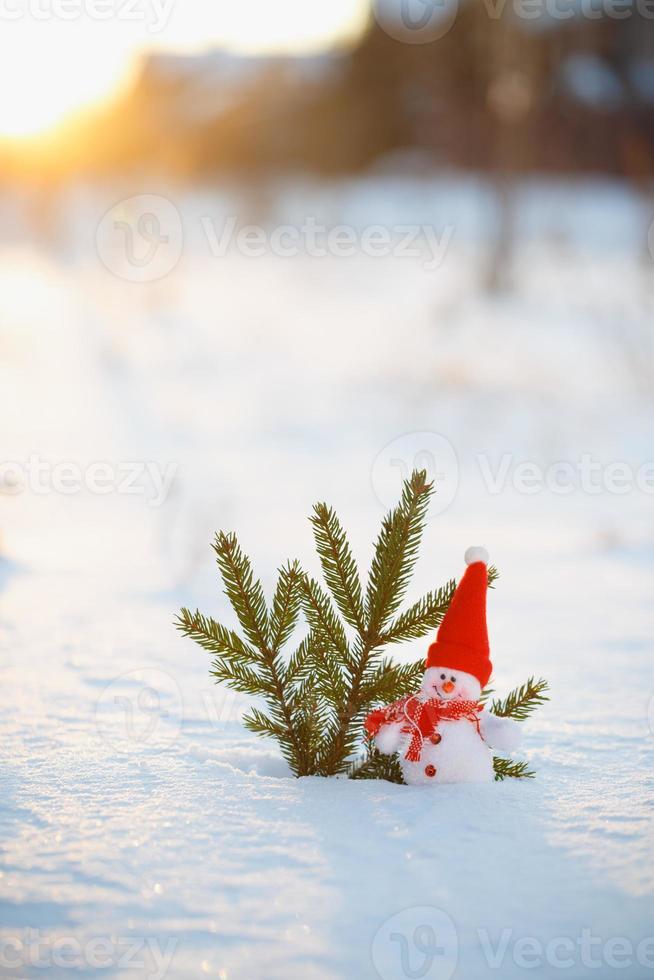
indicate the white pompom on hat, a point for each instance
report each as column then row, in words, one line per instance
column 474, row 554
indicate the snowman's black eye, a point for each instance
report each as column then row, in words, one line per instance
column 453, row 679
column 442, row 677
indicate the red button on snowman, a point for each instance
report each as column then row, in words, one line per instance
column 442, row 733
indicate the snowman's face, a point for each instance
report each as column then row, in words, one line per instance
column 448, row 684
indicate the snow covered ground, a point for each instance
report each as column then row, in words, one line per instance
column 143, row 831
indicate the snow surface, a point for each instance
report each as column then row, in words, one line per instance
column 133, row 806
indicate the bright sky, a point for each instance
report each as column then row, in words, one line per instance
column 57, row 56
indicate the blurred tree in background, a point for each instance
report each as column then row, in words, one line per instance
column 497, row 92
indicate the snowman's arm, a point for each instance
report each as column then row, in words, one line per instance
column 500, row 733
column 389, row 737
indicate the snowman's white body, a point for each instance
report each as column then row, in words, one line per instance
column 463, row 754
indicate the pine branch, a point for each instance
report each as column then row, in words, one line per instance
column 395, row 555
column 396, row 552
column 374, row 765
column 389, row 682
column 258, row 669
column 301, row 660
column 361, row 687
column 424, row 616
column 322, row 618
column 338, row 565
column 507, row 769
column 520, row 703
column 311, row 717
column 286, row 605
column 243, row 590
column 259, row 723
column 329, row 676
column 267, row 634
column 337, row 745
column 239, row 677
column 213, row 637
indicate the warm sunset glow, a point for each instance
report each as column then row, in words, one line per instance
column 69, row 78
column 51, row 67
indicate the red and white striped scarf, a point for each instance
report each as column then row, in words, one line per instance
column 421, row 719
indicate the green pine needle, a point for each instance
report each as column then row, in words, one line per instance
column 520, row 703
column 374, row 765
column 243, row 590
column 286, row 605
column 389, row 681
column 259, row 723
column 396, row 552
column 507, row 769
column 423, row 617
column 213, row 637
column 338, row 565
column 322, row 618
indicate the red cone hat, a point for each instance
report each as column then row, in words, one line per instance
column 462, row 639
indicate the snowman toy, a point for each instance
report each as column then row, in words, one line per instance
column 443, row 734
